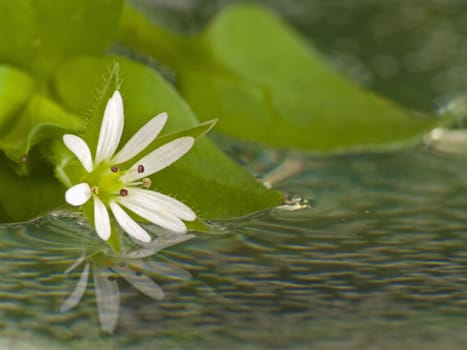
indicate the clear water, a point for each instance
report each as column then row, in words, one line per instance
column 370, row 253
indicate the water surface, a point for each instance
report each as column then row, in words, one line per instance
column 376, row 259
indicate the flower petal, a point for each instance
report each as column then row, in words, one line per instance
column 164, row 202
column 107, row 297
column 162, row 241
column 75, row 264
column 80, row 149
column 147, row 210
column 141, row 282
column 77, row 294
column 160, row 158
column 128, row 224
column 78, row 194
column 111, row 128
column 101, row 219
column 141, row 139
column 160, row 268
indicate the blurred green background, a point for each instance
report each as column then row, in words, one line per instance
column 414, row 52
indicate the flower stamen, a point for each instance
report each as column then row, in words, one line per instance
column 114, row 169
column 123, row 192
column 140, row 169
column 147, row 182
column 95, row 190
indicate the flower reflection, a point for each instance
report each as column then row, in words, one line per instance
column 133, row 266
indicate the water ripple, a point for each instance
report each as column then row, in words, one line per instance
column 383, row 243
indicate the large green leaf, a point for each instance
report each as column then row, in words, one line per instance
column 37, row 35
column 27, row 117
column 207, row 180
column 41, row 119
column 25, row 197
column 267, row 84
column 16, row 87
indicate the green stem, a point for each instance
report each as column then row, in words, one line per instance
column 138, row 32
column 114, row 241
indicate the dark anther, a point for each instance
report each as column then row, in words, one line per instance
column 123, row 192
column 138, row 273
column 140, row 168
column 114, row 169
column 111, row 278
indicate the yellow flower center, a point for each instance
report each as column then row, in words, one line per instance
column 105, row 182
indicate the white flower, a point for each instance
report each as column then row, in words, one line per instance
column 107, row 268
column 113, row 188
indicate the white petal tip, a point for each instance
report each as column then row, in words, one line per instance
column 101, row 219
column 162, row 115
column 188, row 141
column 103, row 236
column 117, row 94
column 189, row 216
column 78, row 194
column 128, row 224
column 176, row 226
column 140, row 237
column 80, row 149
column 111, row 128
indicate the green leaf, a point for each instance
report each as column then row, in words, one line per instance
column 37, row 35
column 268, row 85
column 195, row 132
column 16, row 87
column 25, row 197
column 205, row 179
column 26, row 117
column 40, row 119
